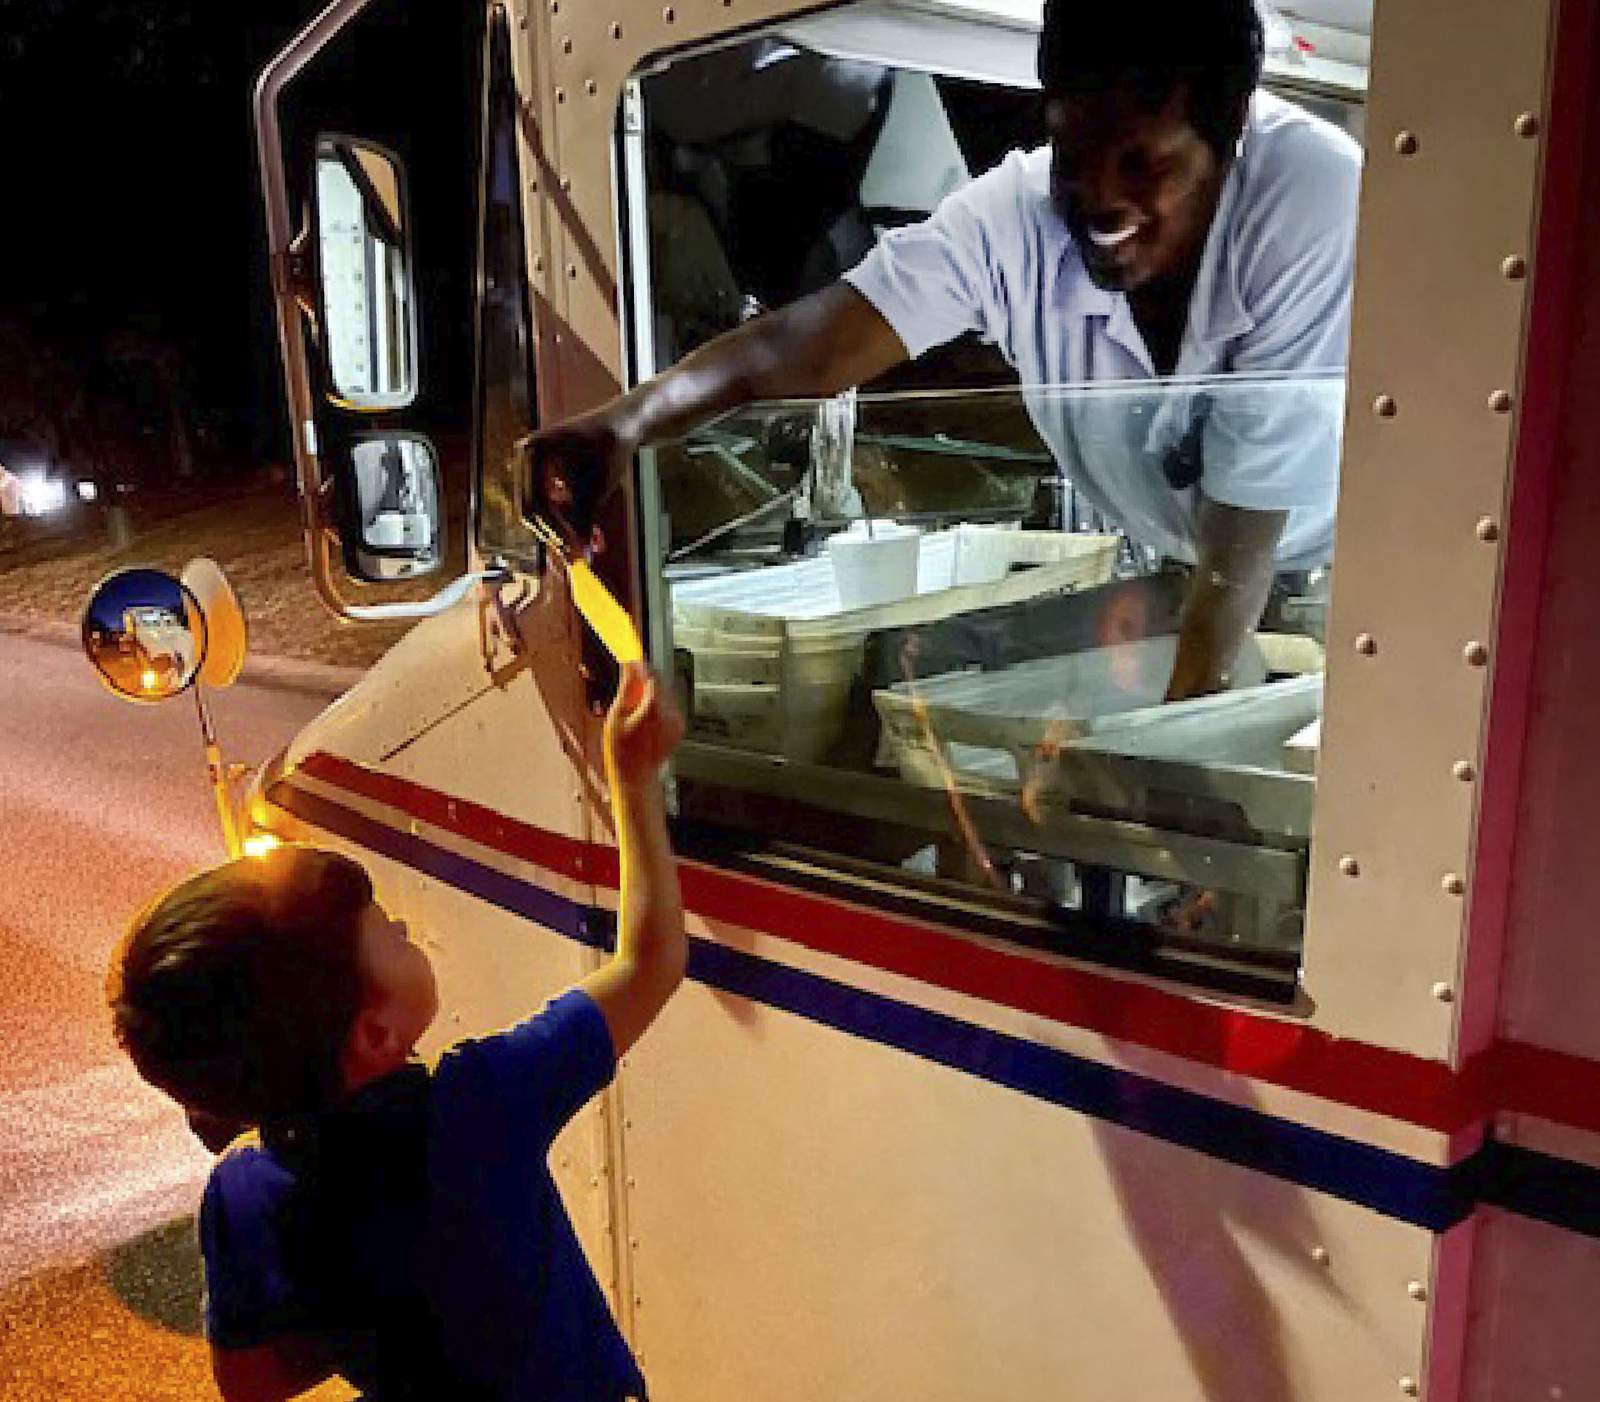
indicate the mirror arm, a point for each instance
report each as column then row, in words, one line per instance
column 447, row 598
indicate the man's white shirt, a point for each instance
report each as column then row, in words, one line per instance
column 1270, row 309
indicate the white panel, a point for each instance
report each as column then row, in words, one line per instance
column 1437, row 329
column 813, row 1216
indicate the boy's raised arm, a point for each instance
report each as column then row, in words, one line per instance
column 641, row 731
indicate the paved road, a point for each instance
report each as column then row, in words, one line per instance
column 102, row 804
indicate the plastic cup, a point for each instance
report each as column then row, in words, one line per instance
column 875, row 568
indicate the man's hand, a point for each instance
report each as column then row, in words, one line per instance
column 1232, row 577
column 575, row 466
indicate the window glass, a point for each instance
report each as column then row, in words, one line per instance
column 969, row 690
column 1033, row 627
column 505, row 401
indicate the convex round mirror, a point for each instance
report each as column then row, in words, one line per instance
column 145, row 633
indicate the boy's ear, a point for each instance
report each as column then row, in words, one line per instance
column 372, row 1047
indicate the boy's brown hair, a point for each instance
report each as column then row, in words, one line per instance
column 235, row 991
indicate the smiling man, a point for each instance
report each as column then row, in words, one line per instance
column 1179, row 222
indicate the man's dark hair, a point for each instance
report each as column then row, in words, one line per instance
column 235, row 992
column 1211, row 48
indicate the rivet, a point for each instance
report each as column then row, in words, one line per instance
column 561, row 94
column 1477, row 655
column 1500, row 401
column 1409, row 1386
column 1366, row 644
column 1385, row 407
column 1454, row 884
column 533, row 187
column 1464, row 770
column 522, row 20
column 566, row 46
column 633, row 1243
column 538, row 263
column 1417, row 1290
column 1405, row 143
column 594, row 1180
column 632, row 1181
column 1514, row 268
column 555, row 7
column 1443, row 992
column 1349, row 866
column 572, row 270
column 669, row 14
column 1526, row 125
column 566, row 1161
column 591, row 87
column 566, row 184
column 616, row 31
column 1319, row 1254
column 638, row 1301
column 1487, row 529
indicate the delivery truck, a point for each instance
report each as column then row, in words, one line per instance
column 1041, row 1039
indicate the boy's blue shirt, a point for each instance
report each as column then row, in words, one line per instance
column 439, row 1230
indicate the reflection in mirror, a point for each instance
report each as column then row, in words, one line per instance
column 145, row 634
column 368, row 311
column 397, row 501
column 967, row 652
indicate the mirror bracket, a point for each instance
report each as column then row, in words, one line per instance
column 294, row 275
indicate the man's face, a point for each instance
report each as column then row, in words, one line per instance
column 1137, row 188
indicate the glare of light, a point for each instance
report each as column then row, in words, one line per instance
column 87, row 491
column 258, row 844
column 41, row 495
column 148, row 681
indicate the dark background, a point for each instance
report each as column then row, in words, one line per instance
column 137, row 340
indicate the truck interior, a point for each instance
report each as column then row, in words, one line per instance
column 989, row 731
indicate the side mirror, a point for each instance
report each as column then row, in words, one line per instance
column 145, row 633
column 151, row 636
column 397, row 505
column 368, row 305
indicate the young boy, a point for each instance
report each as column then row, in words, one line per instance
column 395, row 1226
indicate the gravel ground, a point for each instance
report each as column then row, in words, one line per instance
column 251, row 528
column 125, row 1327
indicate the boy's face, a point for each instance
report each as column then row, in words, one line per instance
column 398, row 979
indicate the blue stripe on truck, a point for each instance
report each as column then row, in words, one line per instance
column 1406, row 1189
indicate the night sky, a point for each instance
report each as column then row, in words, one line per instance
column 132, row 214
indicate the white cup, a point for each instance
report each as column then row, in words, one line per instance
column 879, row 568
column 982, row 553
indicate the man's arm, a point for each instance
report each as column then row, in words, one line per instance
column 1233, row 574
column 652, row 951
column 816, row 346
column 273, row 1372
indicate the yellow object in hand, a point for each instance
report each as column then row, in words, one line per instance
column 604, row 614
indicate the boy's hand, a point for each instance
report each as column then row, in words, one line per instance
column 643, row 727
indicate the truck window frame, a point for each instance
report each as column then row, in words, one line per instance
column 502, row 273
column 1022, row 920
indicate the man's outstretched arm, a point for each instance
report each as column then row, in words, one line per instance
column 816, row 346
column 1234, row 565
